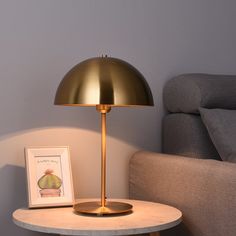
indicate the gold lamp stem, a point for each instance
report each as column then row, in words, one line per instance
column 103, row 109
column 103, row 207
column 103, row 161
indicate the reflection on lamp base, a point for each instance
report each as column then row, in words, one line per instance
column 95, row 208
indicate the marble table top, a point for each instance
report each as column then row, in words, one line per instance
column 146, row 217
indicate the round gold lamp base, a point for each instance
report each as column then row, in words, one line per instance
column 95, row 208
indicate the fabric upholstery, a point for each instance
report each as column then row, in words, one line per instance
column 185, row 134
column 221, row 126
column 186, row 93
column 204, row 190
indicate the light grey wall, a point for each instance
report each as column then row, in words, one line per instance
column 41, row 40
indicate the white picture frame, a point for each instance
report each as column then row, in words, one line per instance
column 49, row 177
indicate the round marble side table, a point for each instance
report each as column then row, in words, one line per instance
column 146, row 217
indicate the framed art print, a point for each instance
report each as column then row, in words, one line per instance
column 49, row 176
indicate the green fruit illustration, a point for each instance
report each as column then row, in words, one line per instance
column 49, row 181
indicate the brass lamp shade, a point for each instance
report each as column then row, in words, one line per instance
column 103, row 82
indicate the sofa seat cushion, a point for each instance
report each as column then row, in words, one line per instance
column 204, row 190
column 221, row 126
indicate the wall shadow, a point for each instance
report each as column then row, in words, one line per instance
column 13, row 196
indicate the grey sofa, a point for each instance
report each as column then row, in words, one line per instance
column 191, row 175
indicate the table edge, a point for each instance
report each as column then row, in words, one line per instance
column 111, row 232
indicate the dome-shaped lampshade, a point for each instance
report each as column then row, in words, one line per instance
column 103, row 80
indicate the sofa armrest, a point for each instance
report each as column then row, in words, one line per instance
column 204, row 190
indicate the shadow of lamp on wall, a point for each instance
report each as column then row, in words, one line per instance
column 103, row 82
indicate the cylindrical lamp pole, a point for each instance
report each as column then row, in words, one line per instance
column 103, row 161
column 103, row 109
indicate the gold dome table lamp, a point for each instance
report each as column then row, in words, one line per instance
column 103, row 82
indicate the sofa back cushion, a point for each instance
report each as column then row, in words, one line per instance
column 221, row 126
column 186, row 135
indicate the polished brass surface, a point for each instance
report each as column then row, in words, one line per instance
column 103, row 108
column 103, row 80
column 95, row 208
column 103, row 161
